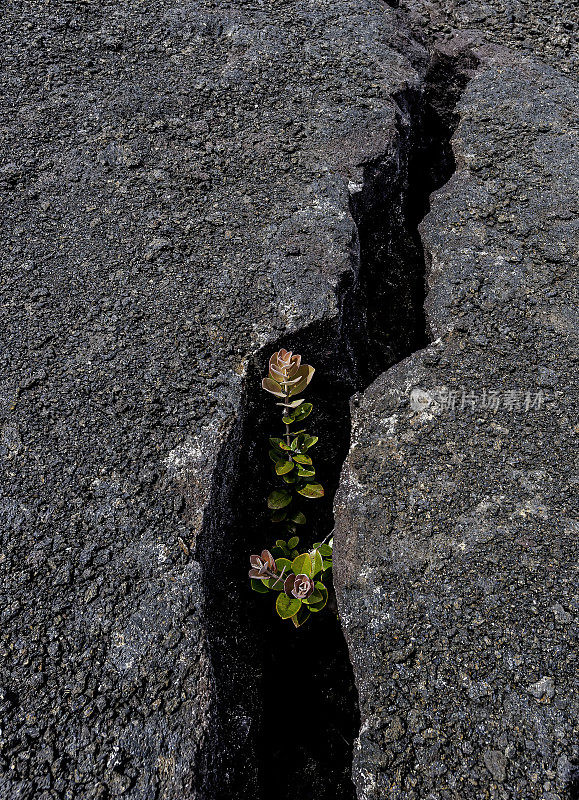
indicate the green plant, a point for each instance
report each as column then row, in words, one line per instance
column 300, row 582
column 298, row 578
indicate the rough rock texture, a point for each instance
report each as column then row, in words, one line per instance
column 175, row 190
column 174, row 179
column 456, row 530
column 547, row 28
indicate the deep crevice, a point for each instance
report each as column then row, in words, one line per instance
column 286, row 703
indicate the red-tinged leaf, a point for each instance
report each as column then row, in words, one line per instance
column 306, row 373
column 312, row 490
column 255, row 573
column 273, row 387
column 301, row 459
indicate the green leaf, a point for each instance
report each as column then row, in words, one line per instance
column 279, row 498
column 325, row 550
column 281, row 542
column 282, row 467
column 309, row 441
column 294, row 554
column 326, row 565
column 275, row 455
column 304, row 411
column 287, row 420
column 302, row 565
column 302, row 459
column 285, row 446
column 290, row 478
column 258, row 586
column 273, row 387
column 317, row 562
column 281, row 563
column 278, row 516
column 294, row 445
column 298, row 518
column 315, row 597
column 312, row 490
column 319, row 587
column 275, row 583
column 303, row 472
column 302, row 616
column 276, row 442
column 293, row 542
column 286, row 606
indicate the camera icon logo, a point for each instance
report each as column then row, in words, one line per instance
column 420, row 399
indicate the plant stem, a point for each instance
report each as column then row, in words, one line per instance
column 328, row 536
column 283, row 413
column 273, row 575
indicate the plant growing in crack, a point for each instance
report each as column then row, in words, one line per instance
column 298, row 578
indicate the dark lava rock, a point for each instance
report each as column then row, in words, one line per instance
column 456, row 536
column 547, row 29
column 175, row 196
column 176, row 183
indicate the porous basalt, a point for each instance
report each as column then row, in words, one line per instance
column 380, row 320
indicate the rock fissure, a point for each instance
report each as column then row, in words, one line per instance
column 427, row 493
column 286, row 703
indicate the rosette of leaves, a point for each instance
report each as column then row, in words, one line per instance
column 300, row 579
column 290, row 453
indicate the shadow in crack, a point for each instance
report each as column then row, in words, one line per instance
column 287, row 711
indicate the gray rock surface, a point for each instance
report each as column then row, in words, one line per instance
column 538, row 27
column 175, row 182
column 456, row 535
column 175, row 189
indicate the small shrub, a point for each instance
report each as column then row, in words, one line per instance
column 298, row 578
